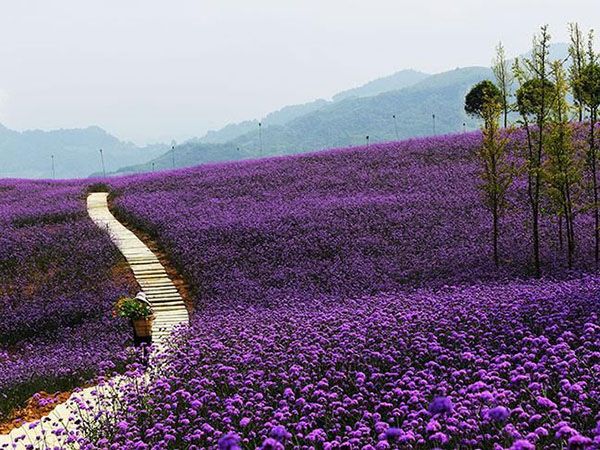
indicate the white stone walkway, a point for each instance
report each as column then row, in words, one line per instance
column 168, row 307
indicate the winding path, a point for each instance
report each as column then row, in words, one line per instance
column 167, row 304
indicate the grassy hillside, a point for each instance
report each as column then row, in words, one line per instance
column 349, row 121
column 343, row 299
column 351, row 221
column 396, row 81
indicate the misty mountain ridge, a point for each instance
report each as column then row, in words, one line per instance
column 28, row 154
column 346, row 122
column 398, row 80
column 409, row 95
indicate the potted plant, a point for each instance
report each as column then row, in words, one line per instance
column 138, row 312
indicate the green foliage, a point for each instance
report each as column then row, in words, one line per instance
column 498, row 169
column 132, row 309
column 563, row 168
column 578, row 60
column 504, row 80
column 481, row 94
column 533, row 95
column 588, row 85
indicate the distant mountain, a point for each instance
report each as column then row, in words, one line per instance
column 412, row 97
column 189, row 151
column 227, row 133
column 398, row 80
column 76, row 153
column 348, row 121
column 280, row 117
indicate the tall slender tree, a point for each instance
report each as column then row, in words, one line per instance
column 589, row 90
column 562, row 170
column 485, row 102
column 534, row 97
column 504, row 80
column 577, row 54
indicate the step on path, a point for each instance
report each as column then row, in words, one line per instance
column 167, row 304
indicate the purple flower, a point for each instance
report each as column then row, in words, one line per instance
column 244, row 422
column 498, row 414
column 441, row 405
column 272, row 444
column 439, row 437
column 393, row 434
column 279, row 433
column 229, row 441
column 546, row 402
column 578, row 442
column 358, row 284
column 522, row 444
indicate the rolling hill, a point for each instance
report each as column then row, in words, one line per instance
column 346, row 122
column 28, row 154
column 398, row 80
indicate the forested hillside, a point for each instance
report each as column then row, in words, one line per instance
column 392, row 115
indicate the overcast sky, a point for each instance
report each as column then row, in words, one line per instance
column 155, row 70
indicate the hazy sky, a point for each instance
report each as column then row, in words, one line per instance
column 155, row 70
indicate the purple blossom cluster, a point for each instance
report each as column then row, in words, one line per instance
column 498, row 366
column 58, row 284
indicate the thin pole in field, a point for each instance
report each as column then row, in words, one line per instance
column 396, row 127
column 260, row 138
column 367, row 141
column 433, row 116
column 102, row 159
column 53, row 171
column 464, row 127
column 173, row 153
column 152, row 167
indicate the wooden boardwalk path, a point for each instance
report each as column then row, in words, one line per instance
column 167, row 304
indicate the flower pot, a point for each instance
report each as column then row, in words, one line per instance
column 143, row 327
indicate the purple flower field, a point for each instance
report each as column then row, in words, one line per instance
column 58, row 284
column 477, row 367
column 345, row 299
column 344, row 222
column 325, row 316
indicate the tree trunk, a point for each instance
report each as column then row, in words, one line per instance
column 536, row 203
column 560, row 232
column 570, row 224
column 495, row 232
column 595, row 187
column 533, row 193
column 536, row 239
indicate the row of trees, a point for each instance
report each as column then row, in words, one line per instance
column 550, row 97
